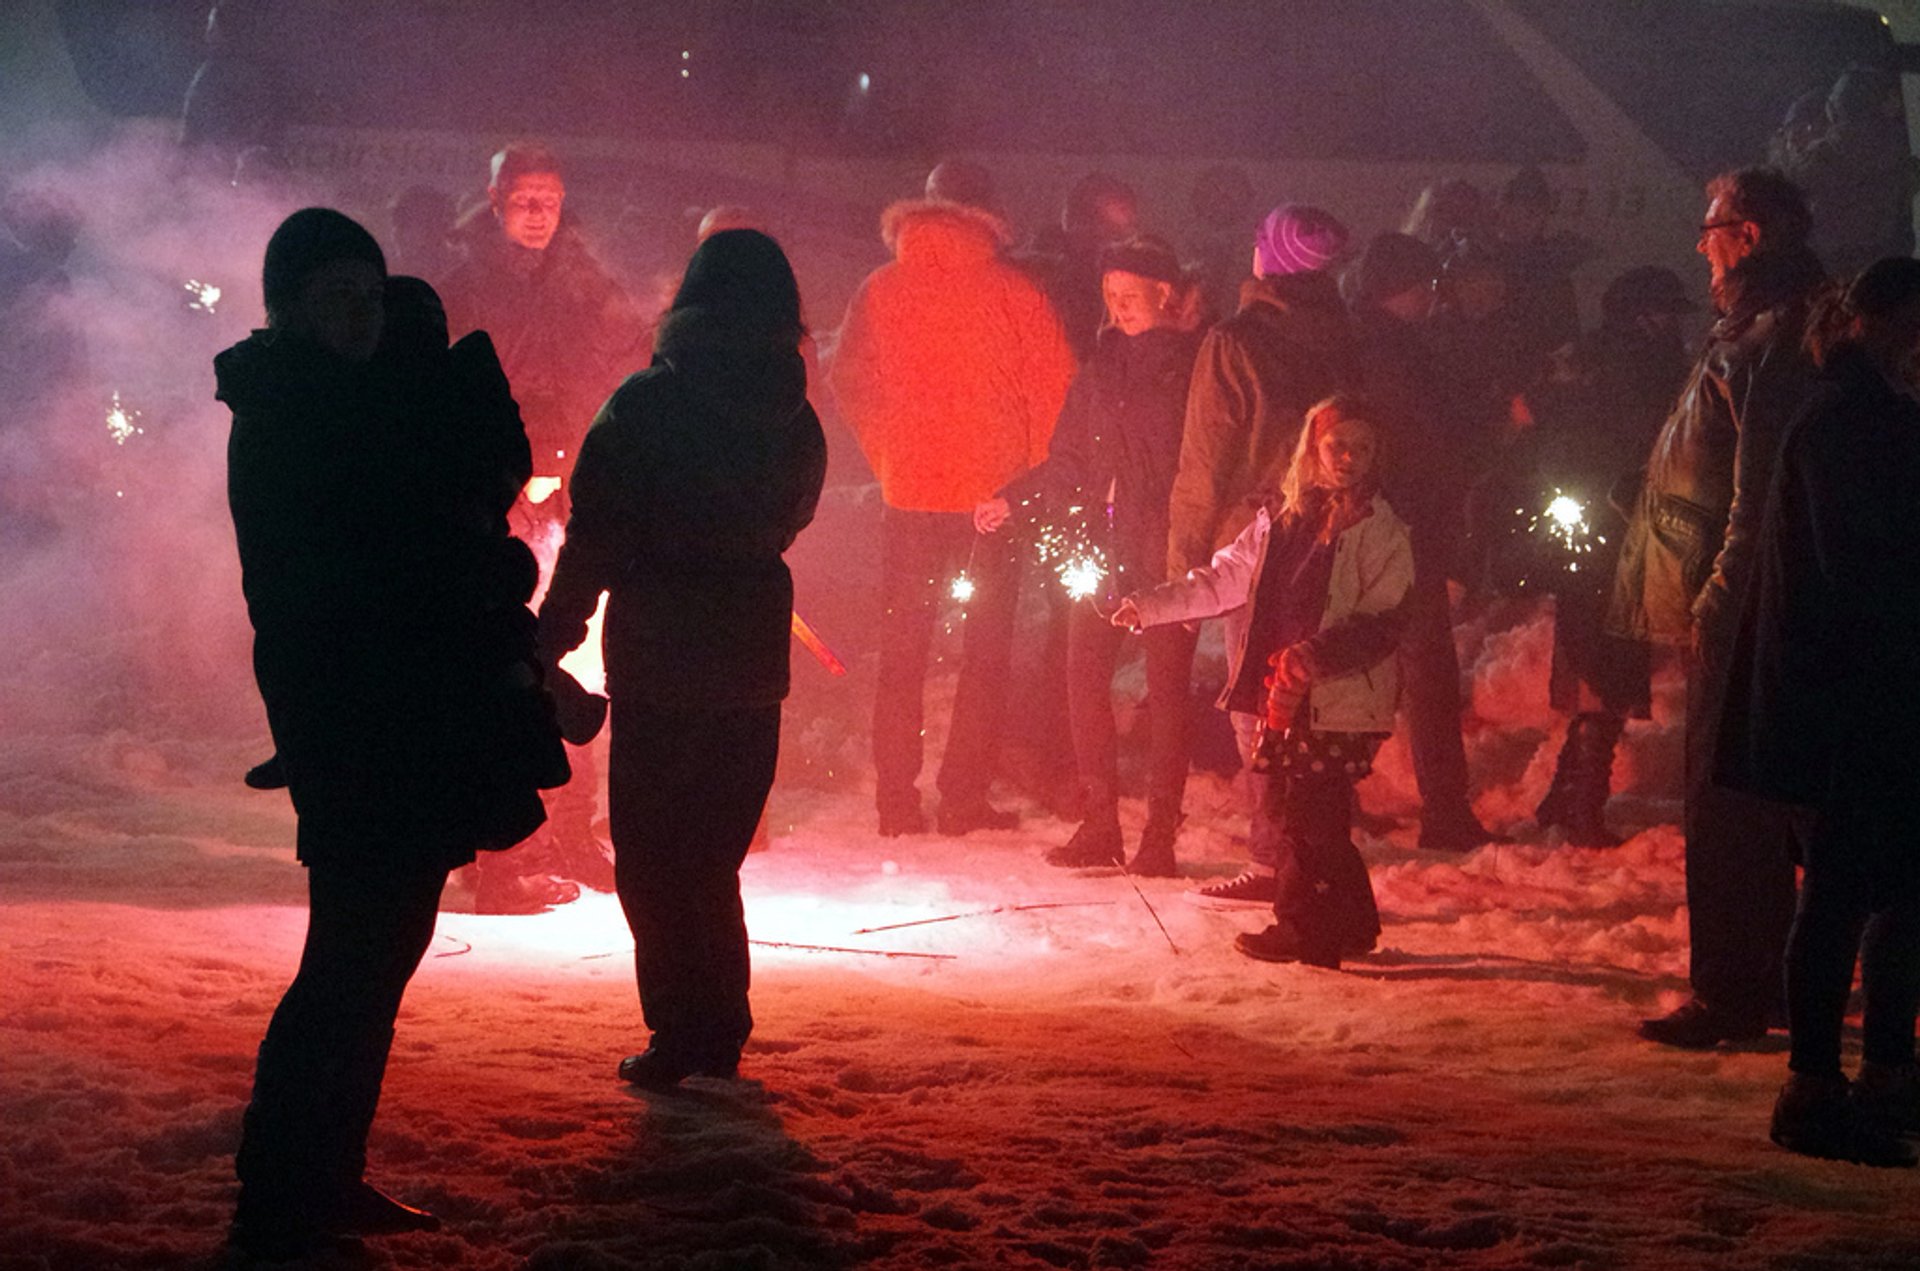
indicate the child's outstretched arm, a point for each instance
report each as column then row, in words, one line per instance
column 1220, row 586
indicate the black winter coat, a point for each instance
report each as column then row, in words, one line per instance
column 1120, row 430
column 697, row 476
column 385, row 639
column 1824, row 686
column 565, row 330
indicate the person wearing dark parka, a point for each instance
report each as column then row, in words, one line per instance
column 409, row 734
column 696, row 477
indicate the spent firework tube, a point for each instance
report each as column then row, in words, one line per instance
column 816, row 646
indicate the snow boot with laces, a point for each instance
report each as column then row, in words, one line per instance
column 1095, row 844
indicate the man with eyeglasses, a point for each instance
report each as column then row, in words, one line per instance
column 567, row 335
column 1686, row 567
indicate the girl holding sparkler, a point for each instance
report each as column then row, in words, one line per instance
column 1327, row 577
column 1101, row 502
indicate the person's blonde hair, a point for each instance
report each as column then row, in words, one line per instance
column 1304, row 473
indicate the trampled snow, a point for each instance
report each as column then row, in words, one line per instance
column 1043, row 1077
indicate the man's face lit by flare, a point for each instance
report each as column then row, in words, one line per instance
column 529, row 209
column 1725, row 239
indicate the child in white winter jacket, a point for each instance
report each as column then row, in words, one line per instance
column 1326, row 577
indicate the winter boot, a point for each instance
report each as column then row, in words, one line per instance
column 1096, row 843
column 1557, row 806
column 900, row 813
column 505, row 883
column 1282, row 941
column 1155, row 857
column 1592, row 740
column 1815, row 1117
column 1888, row 1096
column 582, row 857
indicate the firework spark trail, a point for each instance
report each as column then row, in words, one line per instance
column 121, row 422
column 1565, row 519
column 205, row 295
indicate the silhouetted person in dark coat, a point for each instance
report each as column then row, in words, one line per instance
column 379, row 609
column 1823, row 696
column 692, row 483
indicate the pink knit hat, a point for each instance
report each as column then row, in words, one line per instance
column 1296, row 238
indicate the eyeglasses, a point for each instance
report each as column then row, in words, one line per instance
column 1711, row 226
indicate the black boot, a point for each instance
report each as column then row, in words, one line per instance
column 1155, row 858
column 1593, row 739
column 1557, row 807
column 1096, row 843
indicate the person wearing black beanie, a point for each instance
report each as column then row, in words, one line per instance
column 374, row 614
column 324, row 279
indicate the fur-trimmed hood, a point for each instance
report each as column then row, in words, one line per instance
column 933, row 231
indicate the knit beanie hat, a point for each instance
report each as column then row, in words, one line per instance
column 1148, row 256
column 308, row 241
column 1296, row 238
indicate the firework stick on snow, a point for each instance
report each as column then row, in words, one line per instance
column 981, row 913
column 816, row 646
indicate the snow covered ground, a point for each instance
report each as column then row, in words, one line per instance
column 1064, row 1086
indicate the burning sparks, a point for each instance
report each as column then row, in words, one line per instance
column 1079, row 564
column 1564, row 519
column 204, row 295
column 1081, row 577
column 961, row 589
column 120, row 422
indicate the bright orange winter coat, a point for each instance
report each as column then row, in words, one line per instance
column 951, row 366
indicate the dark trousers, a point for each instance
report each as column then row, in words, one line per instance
column 1093, row 647
column 1430, row 674
column 1848, row 911
column 920, row 555
column 1322, row 889
column 686, row 790
column 317, row 1082
column 1739, row 861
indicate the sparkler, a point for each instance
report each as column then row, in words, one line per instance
column 961, row 589
column 120, row 422
column 204, row 295
column 1077, row 562
column 1564, row 519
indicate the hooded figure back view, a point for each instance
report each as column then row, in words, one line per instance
column 694, row 479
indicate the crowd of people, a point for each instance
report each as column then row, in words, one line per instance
column 1320, row 442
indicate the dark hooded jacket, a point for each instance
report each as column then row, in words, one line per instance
column 1824, row 686
column 565, row 331
column 696, row 477
column 1257, row 373
column 383, row 612
column 1688, row 554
